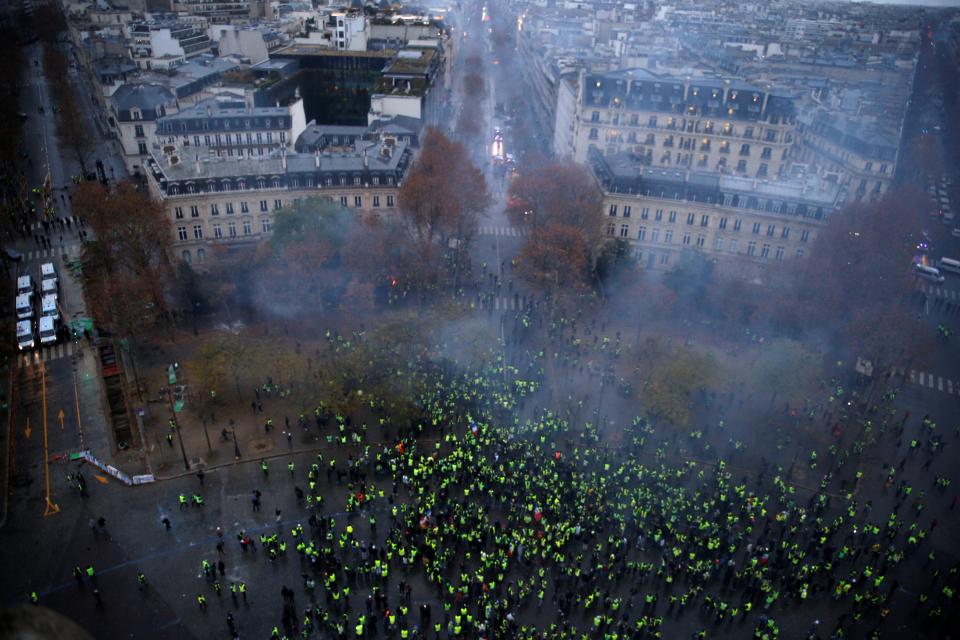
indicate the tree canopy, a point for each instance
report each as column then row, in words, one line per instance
column 443, row 193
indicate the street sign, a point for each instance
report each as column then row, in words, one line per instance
column 172, row 374
column 178, row 406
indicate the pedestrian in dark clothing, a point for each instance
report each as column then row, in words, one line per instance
column 200, row 476
column 221, row 567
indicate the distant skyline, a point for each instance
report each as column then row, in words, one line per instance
column 919, row 3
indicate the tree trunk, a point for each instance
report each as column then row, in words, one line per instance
column 133, row 364
column 206, row 434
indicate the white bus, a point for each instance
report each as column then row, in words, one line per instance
column 928, row 273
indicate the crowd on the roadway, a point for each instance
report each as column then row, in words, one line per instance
column 506, row 511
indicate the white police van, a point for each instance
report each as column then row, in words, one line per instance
column 24, row 285
column 49, row 308
column 48, row 330
column 25, row 306
column 25, row 337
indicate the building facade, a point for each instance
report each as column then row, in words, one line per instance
column 709, row 125
column 135, row 110
column 226, row 127
column 164, row 44
column 663, row 212
column 232, row 201
column 862, row 160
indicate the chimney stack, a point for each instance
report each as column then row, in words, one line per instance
column 316, row 158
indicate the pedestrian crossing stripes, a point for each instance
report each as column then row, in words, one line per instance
column 52, row 225
column 46, row 354
column 53, row 252
column 500, row 231
column 504, row 303
column 930, row 381
column 940, row 292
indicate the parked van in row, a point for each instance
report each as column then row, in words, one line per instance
column 49, row 284
column 48, row 271
column 25, row 306
column 49, row 308
column 48, row 330
column 25, row 336
column 24, row 285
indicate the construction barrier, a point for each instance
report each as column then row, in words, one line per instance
column 110, row 470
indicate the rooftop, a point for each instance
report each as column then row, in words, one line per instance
column 364, row 157
column 223, row 107
column 146, row 97
column 411, row 62
column 324, row 51
column 623, row 173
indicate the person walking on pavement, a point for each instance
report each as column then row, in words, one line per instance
column 200, row 476
column 141, row 581
column 102, row 525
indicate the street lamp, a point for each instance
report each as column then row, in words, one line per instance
column 173, row 412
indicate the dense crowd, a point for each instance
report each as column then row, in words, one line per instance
column 495, row 514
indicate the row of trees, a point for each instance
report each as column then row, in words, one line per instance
column 321, row 256
column 14, row 190
column 850, row 295
column 74, row 132
column 127, row 274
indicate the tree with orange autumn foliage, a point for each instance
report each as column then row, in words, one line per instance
column 559, row 193
column 441, row 199
column 555, row 258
